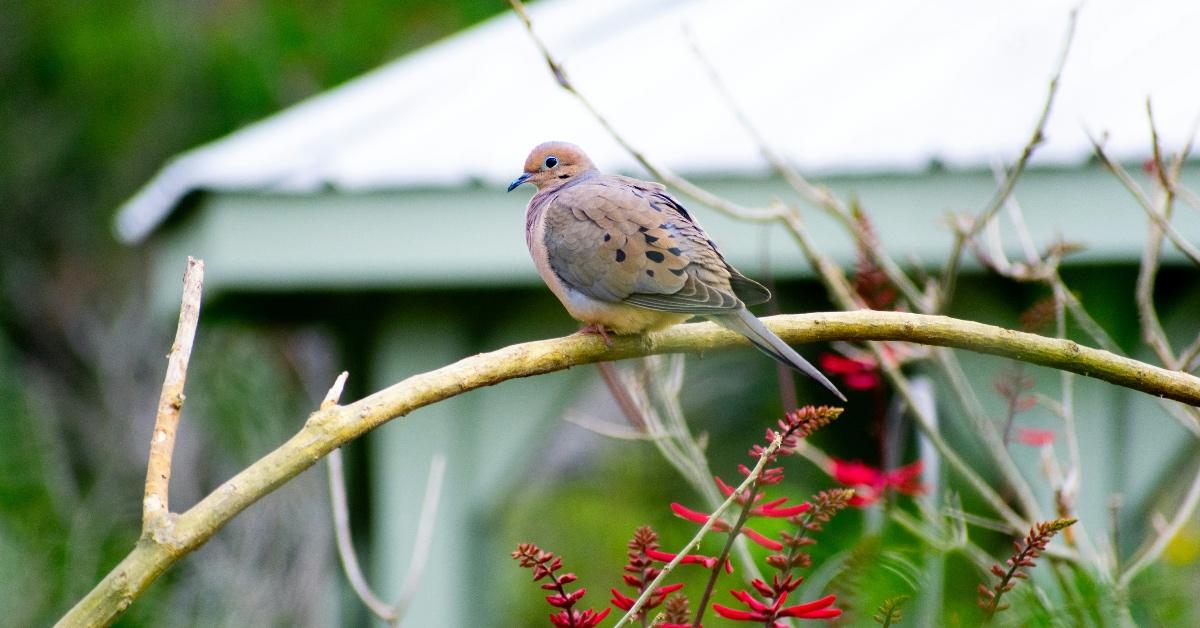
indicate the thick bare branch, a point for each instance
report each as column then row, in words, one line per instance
column 329, row 429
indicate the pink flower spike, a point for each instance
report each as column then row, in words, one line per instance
column 1035, row 437
column 725, row 489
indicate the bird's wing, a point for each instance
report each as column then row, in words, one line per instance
column 618, row 239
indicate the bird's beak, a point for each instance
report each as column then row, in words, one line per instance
column 518, row 181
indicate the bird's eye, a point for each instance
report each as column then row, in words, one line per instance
column 551, row 161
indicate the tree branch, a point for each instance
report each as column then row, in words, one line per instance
column 328, row 429
column 170, row 403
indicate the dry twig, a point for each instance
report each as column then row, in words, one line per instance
column 390, row 613
column 155, row 506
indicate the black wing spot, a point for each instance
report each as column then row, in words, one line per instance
column 607, row 237
column 675, row 251
column 655, row 256
column 620, row 255
column 650, row 273
column 674, row 205
column 678, row 272
column 650, row 239
column 642, row 230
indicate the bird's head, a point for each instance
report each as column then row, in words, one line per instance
column 552, row 164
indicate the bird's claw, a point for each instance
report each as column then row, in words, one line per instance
column 597, row 328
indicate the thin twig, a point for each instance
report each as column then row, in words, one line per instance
column 986, row 429
column 1150, row 553
column 838, row 286
column 423, row 541
column 155, row 503
column 608, row 429
column 1010, row 181
column 661, row 172
column 1155, row 214
column 817, row 195
column 1188, row 357
column 695, row 542
column 735, row 531
column 1082, row 318
column 674, row 440
column 827, row 201
column 345, row 545
column 976, row 520
column 341, row 519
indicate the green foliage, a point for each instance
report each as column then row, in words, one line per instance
column 94, row 98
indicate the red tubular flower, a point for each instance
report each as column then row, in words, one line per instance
column 755, row 536
column 720, row 526
column 737, row 615
column 870, row 483
column 855, row 473
column 1034, row 437
column 816, row 609
column 624, row 602
column 688, row 559
column 762, row 613
column 790, row 511
column 772, row 508
column 859, row 374
column 570, row 618
column 701, row 518
column 906, row 479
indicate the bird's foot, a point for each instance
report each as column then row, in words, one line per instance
column 597, row 328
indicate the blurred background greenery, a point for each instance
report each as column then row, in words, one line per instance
column 94, row 98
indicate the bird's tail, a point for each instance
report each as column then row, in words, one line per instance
column 746, row 324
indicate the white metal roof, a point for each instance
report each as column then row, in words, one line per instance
column 837, row 86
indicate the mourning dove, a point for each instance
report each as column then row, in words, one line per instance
column 623, row 256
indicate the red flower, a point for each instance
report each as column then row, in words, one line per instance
column 544, row 565
column 684, row 512
column 870, row 483
column 625, row 602
column 759, row 612
column 571, row 618
column 1034, row 437
column 774, row 508
column 688, row 559
column 859, row 374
